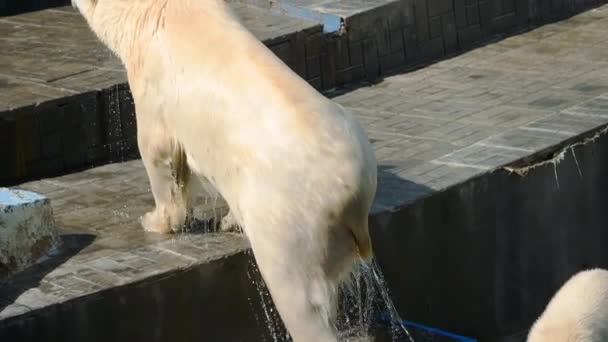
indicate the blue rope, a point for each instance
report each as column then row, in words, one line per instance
column 385, row 317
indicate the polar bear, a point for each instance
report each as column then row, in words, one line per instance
column 577, row 313
column 296, row 169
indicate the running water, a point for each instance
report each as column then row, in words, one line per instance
column 363, row 298
column 271, row 318
column 207, row 210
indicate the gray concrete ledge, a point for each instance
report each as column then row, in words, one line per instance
column 83, row 86
column 467, row 243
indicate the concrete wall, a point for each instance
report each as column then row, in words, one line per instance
column 211, row 302
column 68, row 134
column 484, row 257
column 11, row 7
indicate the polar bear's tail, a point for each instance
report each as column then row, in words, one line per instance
column 360, row 233
column 355, row 219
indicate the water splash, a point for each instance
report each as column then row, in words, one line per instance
column 364, row 296
column 271, row 318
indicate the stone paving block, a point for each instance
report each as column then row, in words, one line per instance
column 34, row 298
column 451, row 176
column 117, row 269
column 182, row 248
column 545, row 100
column 443, row 176
column 97, row 277
column 449, row 110
column 65, row 282
column 594, row 107
column 566, row 124
column 21, row 93
column 591, row 87
column 460, row 134
column 486, row 98
column 31, row 69
column 385, row 102
column 164, row 260
column 505, row 116
column 75, row 288
column 408, row 125
column 14, row 310
column 91, row 80
column 482, row 156
column 524, row 140
column 423, row 149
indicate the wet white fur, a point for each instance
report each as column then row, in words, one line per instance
column 296, row 169
column 577, row 313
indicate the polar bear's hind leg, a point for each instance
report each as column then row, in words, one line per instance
column 167, row 168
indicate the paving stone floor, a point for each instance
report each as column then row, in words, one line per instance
column 487, row 108
column 75, row 61
column 431, row 129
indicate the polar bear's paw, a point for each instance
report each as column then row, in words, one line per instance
column 155, row 222
column 165, row 219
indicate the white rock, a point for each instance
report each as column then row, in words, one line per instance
column 27, row 230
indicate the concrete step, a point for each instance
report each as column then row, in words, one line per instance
column 65, row 105
column 492, row 192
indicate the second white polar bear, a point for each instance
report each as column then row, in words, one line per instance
column 577, row 313
column 297, row 171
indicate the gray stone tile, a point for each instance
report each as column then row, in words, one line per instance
column 98, row 277
column 34, row 298
column 481, row 156
column 449, row 110
column 117, row 269
column 14, row 310
column 566, row 124
column 597, row 106
column 505, row 116
column 524, row 140
column 458, row 133
column 550, row 100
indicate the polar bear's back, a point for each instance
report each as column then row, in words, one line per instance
column 578, row 312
